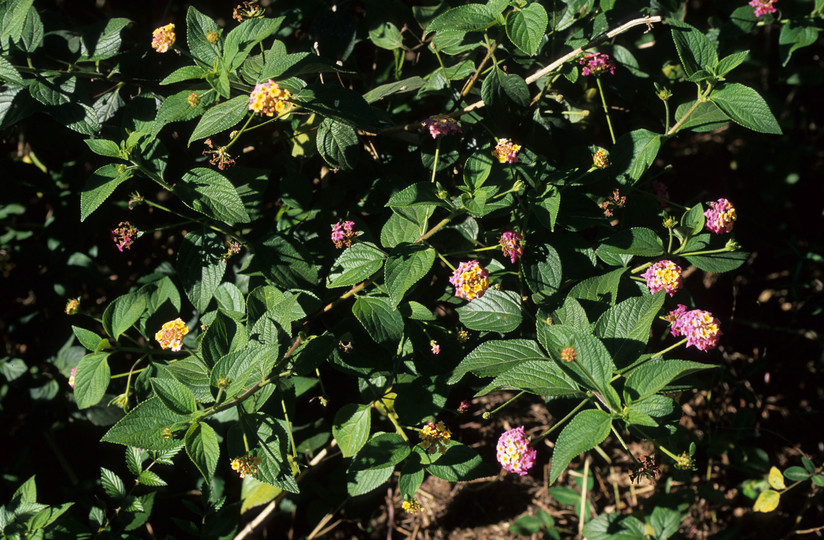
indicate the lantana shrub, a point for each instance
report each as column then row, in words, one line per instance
column 495, row 227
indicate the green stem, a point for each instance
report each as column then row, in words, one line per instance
column 706, row 252
column 239, row 133
column 606, row 111
column 507, row 402
column 702, row 97
column 435, row 164
column 561, row 423
column 468, row 251
column 621, row 440
column 446, row 262
column 667, row 117
column 289, row 430
column 398, row 427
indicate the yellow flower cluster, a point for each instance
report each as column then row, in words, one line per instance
column 435, row 437
column 506, row 151
column 600, row 158
column 268, row 98
column 171, row 334
column 163, row 38
column 246, row 465
column 411, row 507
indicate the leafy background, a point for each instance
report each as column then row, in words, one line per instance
column 764, row 408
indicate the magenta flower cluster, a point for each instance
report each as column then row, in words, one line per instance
column 597, row 64
column 763, row 7
column 470, row 280
column 511, row 245
column 701, row 329
column 514, row 453
column 720, row 217
column 343, row 233
column 663, row 275
column 440, row 125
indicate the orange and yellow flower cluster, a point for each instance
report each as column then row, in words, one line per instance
column 171, row 334
column 268, row 99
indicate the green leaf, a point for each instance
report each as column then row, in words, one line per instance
column 624, row 328
column 224, row 335
column 375, row 462
column 615, row 527
column 719, row 262
column 406, row 265
column 284, row 262
column 745, row 107
column 186, row 73
column 386, row 36
column 542, row 269
column 134, row 459
column 355, row 264
column 634, row 152
column 175, row 395
column 192, row 373
column 200, row 267
column 221, row 117
column 341, row 104
column 240, row 41
column 593, row 366
column 399, row 229
column 796, row 474
column 284, row 66
column 526, row 27
column 603, row 288
column 795, row 34
column 664, row 521
column 210, row 193
column 398, row 87
column 198, row 27
column 9, row 73
column 380, row 319
column 107, row 42
column 539, row 377
column 103, row 147
column 706, row 116
column 587, row 430
column 496, row 311
column 496, row 357
column 121, row 314
column 653, row 376
column 148, row 478
column 729, row 63
column 112, row 484
column 498, row 84
column 694, row 219
column 16, row 13
column 411, row 477
column 337, row 144
column 87, row 338
column 148, row 426
column 460, row 463
column 243, row 368
column 466, row 18
column 91, row 380
column 203, row 449
column 420, row 194
column 351, row 427
column 255, row 493
column 476, row 169
column 99, row 186
column 694, row 48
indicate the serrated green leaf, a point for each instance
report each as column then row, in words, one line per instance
column 380, row 319
column 175, row 395
column 466, row 18
column 624, row 328
column 255, row 493
column 539, row 377
column 198, row 27
column 243, row 368
column 210, row 193
column 719, row 263
column 411, row 477
column 795, row 34
column 615, row 527
column 121, row 314
column 398, row 229
column 398, row 87
column 91, row 379
column 584, row 432
column 593, row 365
column 104, row 44
column 337, row 144
column 148, row 426
column 186, row 73
column 17, row 13
column 224, row 335
column 9, row 73
column 603, row 288
column 112, row 484
column 746, row 107
column 99, row 186
column 341, row 104
column 134, row 460
column 200, row 267
column 497, row 311
column 221, row 117
column 87, row 338
column 103, row 147
column 460, row 463
column 194, row 374
column 386, row 36
column 283, row 66
column 496, row 357
column 203, row 449
column 148, row 478
column 422, row 193
column 653, row 376
column 375, row 462
column 351, row 427
column 730, row 62
column 706, row 117
column 526, row 27
column 406, row 265
column 694, row 48
column 634, row 152
column 542, row 269
column 240, row 41
column 355, row 264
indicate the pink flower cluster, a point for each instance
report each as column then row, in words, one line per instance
column 343, row 233
column 435, row 347
column 511, row 245
column 506, row 151
column 701, row 329
column 720, row 216
column 470, row 279
column 663, row 275
column 514, row 453
column 763, row 7
column 440, row 125
column 72, row 376
column 597, row 64
column 124, row 235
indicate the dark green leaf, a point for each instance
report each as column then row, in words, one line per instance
column 121, row 314
column 147, row 426
column 175, row 395
column 796, row 474
column 634, row 152
column 460, row 463
column 653, row 376
column 380, row 319
column 104, row 44
column 337, row 144
column 744, row 106
column 496, row 357
column 795, row 34
column 91, row 380
column 87, row 338
column 238, row 371
column 466, row 18
column 198, row 27
column 112, row 484
column 351, row 428
column 406, row 266
column 542, row 269
column 406, row 85
column 210, row 193
column 422, row 193
column 694, row 48
column 539, row 377
column 584, row 432
column 625, row 327
column 706, row 116
column 99, row 186
column 496, row 311
column 240, row 41
column 341, row 104
column 526, row 27
column 186, row 73
column 221, row 117
column 203, row 449
column 375, row 462
column 355, row 264
column 200, row 267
